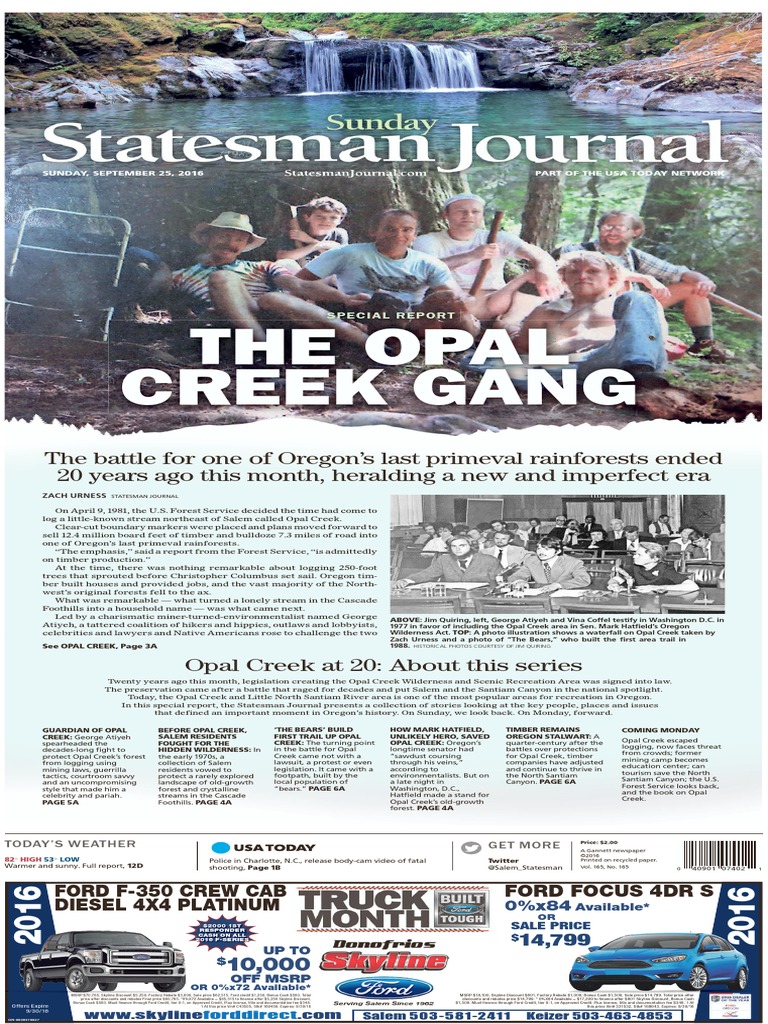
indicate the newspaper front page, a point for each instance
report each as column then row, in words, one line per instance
column 376, row 389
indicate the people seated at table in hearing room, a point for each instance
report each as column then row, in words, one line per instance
column 661, row 527
column 588, row 525
column 595, row 541
column 459, row 565
column 507, row 553
column 634, row 536
column 550, row 570
column 571, row 534
column 534, row 532
column 426, row 531
column 690, row 544
column 518, row 537
column 615, row 533
column 647, row 573
column 699, row 550
column 558, row 530
column 438, row 544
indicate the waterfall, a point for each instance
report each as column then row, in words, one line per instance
column 421, row 76
column 400, row 67
column 393, row 67
column 322, row 67
column 454, row 67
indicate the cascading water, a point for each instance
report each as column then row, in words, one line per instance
column 454, row 67
column 322, row 67
column 393, row 67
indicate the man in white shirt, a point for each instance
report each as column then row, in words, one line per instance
column 463, row 245
column 616, row 530
column 390, row 267
column 505, row 551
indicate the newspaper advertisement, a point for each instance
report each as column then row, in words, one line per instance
column 376, row 387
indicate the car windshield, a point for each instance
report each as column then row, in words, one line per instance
column 111, row 939
column 653, row 942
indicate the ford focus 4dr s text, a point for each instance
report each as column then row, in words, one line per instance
column 690, row 960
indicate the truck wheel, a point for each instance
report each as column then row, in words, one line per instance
column 170, row 986
column 78, row 981
column 31, row 983
column 107, row 986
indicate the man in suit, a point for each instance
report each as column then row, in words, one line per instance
column 459, row 565
column 558, row 530
column 507, row 553
column 551, row 570
column 634, row 536
column 624, row 540
column 616, row 531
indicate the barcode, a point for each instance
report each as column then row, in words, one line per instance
column 719, row 853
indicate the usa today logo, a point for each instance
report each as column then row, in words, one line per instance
column 221, row 847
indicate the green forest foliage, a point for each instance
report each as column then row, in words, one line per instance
column 712, row 226
column 400, row 25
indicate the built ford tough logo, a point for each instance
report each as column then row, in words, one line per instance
column 380, row 988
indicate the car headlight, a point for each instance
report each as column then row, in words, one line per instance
column 668, row 959
column 92, row 956
column 581, row 960
column 178, row 956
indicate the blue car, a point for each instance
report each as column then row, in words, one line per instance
column 689, row 960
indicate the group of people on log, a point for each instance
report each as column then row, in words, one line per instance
column 601, row 303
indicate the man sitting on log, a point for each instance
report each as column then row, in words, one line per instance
column 412, row 289
column 669, row 283
column 596, row 327
column 465, row 243
column 247, row 292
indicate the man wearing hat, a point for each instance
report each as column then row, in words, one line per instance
column 463, row 245
column 242, row 291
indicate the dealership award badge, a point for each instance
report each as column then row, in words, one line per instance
column 461, row 908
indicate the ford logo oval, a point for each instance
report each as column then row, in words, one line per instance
column 141, row 956
column 460, row 908
column 383, row 988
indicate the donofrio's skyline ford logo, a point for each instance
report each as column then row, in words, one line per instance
column 466, row 908
column 384, row 988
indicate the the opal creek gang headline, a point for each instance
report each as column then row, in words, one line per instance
column 307, row 353
column 274, row 384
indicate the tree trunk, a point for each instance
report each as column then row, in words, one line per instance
column 672, row 205
column 543, row 204
column 593, row 188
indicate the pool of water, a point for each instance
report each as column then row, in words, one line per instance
column 497, row 112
